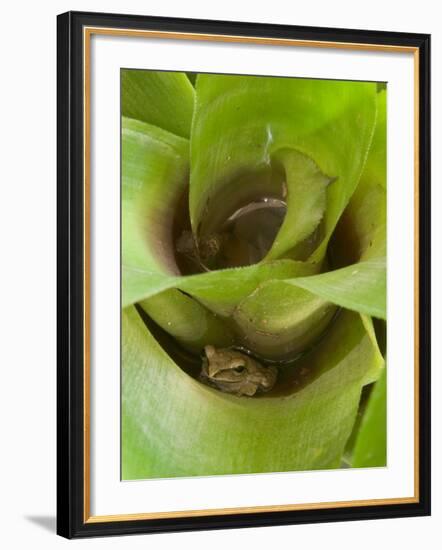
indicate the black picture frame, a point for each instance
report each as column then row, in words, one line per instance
column 71, row 498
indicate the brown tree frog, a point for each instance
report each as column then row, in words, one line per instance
column 234, row 372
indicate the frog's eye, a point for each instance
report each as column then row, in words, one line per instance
column 240, row 369
column 238, row 366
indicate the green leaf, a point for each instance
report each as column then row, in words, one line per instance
column 210, row 287
column 154, row 177
column 360, row 287
column 241, row 123
column 361, row 232
column 371, row 443
column 350, row 445
column 279, row 320
column 307, row 200
column 163, row 99
column 375, row 169
column 284, row 317
column 191, row 324
column 174, row 426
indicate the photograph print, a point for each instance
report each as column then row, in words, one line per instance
column 253, row 269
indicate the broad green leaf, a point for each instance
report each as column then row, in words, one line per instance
column 154, row 177
column 350, row 445
column 360, row 287
column 222, row 291
column 375, row 169
column 306, row 185
column 210, row 287
column 283, row 317
column 279, row 320
column 163, row 99
column 361, row 232
column 241, row 123
column 187, row 320
column 174, row 426
column 367, row 321
column 370, row 448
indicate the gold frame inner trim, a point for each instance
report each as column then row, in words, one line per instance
column 87, row 33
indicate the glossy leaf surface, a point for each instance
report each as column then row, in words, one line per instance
column 175, row 426
column 371, row 444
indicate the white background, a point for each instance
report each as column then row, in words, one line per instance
column 27, row 229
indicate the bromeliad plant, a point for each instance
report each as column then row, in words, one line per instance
column 253, row 239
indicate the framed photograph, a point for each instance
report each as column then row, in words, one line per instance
column 243, row 274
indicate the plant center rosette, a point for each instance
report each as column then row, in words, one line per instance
column 253, row 222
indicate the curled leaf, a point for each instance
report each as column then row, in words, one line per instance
column 176, row 426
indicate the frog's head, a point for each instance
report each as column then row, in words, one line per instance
column 234, row 372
